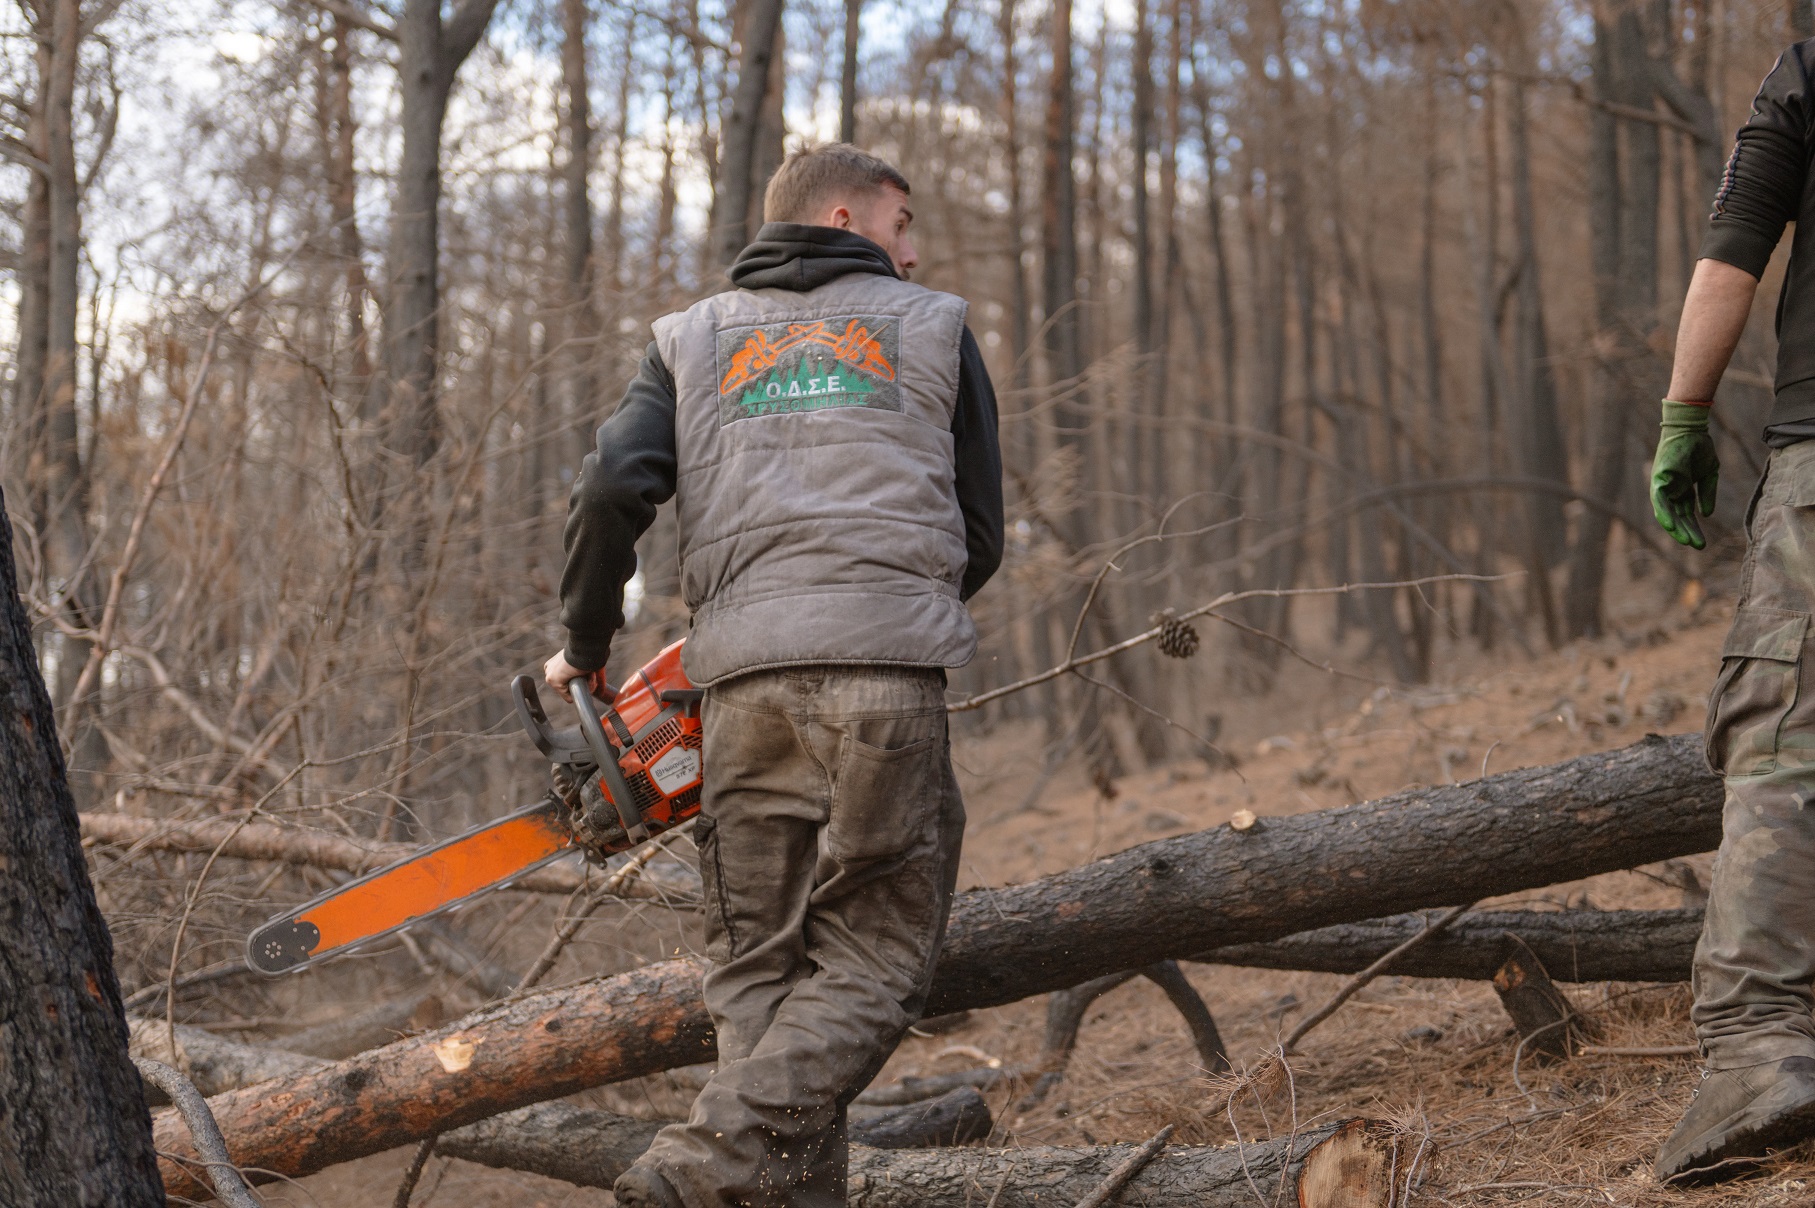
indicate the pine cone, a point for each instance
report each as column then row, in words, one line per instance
column 1178, row 640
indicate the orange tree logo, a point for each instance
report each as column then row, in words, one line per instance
column 781, row 368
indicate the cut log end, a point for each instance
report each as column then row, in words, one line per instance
column 1352, row 1168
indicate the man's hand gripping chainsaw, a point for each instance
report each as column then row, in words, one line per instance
column 629, row 771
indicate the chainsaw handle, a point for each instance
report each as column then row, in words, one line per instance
column 559, row 746
column 607, row 756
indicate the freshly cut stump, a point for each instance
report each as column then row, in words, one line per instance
column 1347, row 1165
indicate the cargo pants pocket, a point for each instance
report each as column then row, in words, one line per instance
column 1760, row 668
column 712, row 889
column 883, row 799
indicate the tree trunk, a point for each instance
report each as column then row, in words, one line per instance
column 1058, row 230
column 75, row 1130
column 1576, row 945
column 1168, row 899
column 580, row 274
column 1623, row 208
column 1345, row 1165
column 847, row 79
column 33, row 276
column 1539, row 428
column 430, row 52
column 743, row 129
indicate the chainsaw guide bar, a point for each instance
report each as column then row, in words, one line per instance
column 434, row 880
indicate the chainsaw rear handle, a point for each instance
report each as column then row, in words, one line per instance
column 607, row 756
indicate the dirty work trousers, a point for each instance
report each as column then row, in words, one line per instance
column 1756, row 960
column 828, row 835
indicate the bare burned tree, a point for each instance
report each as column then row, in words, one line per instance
column 73, row 1122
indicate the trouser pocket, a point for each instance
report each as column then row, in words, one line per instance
column 883, row 798
column 1757, row 689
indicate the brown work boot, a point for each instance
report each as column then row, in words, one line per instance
column 1738, row 1116
column 641, row 1187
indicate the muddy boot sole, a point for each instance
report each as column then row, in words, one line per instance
column 1745, row 1140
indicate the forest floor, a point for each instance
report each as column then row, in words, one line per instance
column 1437, row 1056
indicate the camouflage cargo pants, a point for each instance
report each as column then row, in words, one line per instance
column 828, row 837
column 1756, row 960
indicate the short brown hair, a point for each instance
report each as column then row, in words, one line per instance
column 815, row 177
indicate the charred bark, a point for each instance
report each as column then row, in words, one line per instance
column 73, row 1124
column 1576, row 945
column 1161, row 900
column 957, row 1117
column 1345, row 1165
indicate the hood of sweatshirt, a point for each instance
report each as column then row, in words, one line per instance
column 793, row 255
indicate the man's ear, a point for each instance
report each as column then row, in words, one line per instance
column 840, row 217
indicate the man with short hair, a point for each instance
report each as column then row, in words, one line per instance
column 1756, row 960
column 828, row 433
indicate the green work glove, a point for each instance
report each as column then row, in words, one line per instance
column 1684, row 470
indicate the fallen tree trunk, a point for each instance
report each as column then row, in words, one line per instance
column 957, row 1117
column 1575, row 945
column 579, row 1145
column 1168, row 899
column 1347, row 1165
column 1427, row 847
column 213, row 1063
column 368, row 1029
column 287, row 845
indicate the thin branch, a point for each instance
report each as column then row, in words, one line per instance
column 413, row 1173
column 1223, row 601
column 1124, row 1173
column 357, row 17
column 1355, row 984
column 463, row 31
column 229, row 1183
column 11, row 148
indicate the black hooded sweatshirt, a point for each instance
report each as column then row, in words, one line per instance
column 632, row 471
column 1770, row 183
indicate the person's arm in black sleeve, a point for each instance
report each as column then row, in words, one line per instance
column 613, row 503
column 1762, row 188
column 978, row 452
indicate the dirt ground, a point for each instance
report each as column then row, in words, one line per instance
column 1435, row 1056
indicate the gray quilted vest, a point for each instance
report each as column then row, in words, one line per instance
column 818, row 518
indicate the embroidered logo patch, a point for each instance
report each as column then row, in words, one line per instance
column 781, row 368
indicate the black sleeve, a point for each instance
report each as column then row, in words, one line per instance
column 978, row 451
column 1762, row 188
column 614, row 500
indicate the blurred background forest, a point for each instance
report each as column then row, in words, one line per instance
column 312, row 307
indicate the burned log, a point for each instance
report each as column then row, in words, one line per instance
column 579, row 1145
column 957, row 1117
column 367, row 1029
column 1167, row 899
column 1422, row 848
column 213, row 1063
column 1575, row 945
column 1348, row 1165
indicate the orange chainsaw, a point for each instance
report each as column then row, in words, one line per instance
column 629, row 771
